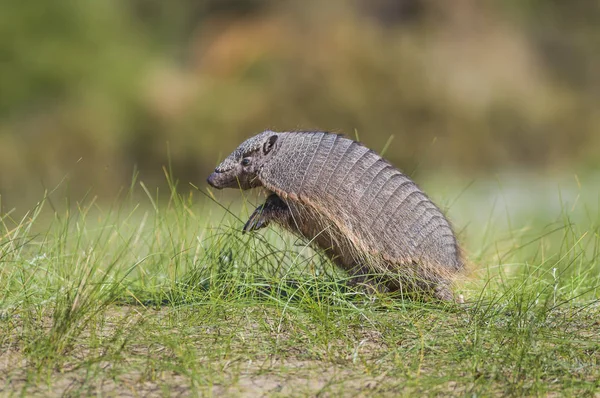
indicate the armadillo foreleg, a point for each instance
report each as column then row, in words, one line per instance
column 273, row 209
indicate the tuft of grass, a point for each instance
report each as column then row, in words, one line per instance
column 165, row 296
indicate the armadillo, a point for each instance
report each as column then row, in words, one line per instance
column 367, row 216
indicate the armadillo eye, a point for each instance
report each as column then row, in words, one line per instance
column 245, row 161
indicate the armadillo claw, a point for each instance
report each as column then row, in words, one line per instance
column 256, row 221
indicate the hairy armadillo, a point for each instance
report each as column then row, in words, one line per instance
column 370, row 218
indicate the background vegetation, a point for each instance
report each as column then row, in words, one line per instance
column 91, row 89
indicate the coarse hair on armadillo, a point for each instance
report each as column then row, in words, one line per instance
column 347, row 249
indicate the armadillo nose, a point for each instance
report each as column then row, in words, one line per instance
column 212, row 180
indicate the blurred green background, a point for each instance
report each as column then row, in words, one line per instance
column 91, row 90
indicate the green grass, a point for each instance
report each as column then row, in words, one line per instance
column 165, row 296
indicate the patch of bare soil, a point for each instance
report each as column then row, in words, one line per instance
column 284, row 378
column 84, row 371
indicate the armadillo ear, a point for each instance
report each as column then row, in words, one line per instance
column 269, row 144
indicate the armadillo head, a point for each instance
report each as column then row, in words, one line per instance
column 240, row 169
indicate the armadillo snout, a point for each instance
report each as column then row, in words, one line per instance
column 227, row 179
column 214, row 180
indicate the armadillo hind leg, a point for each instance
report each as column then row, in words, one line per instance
column 443, row 292
column 369, row 284
column 423, row 288
column 273, row 209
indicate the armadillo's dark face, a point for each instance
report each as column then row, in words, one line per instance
column 240, row 169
